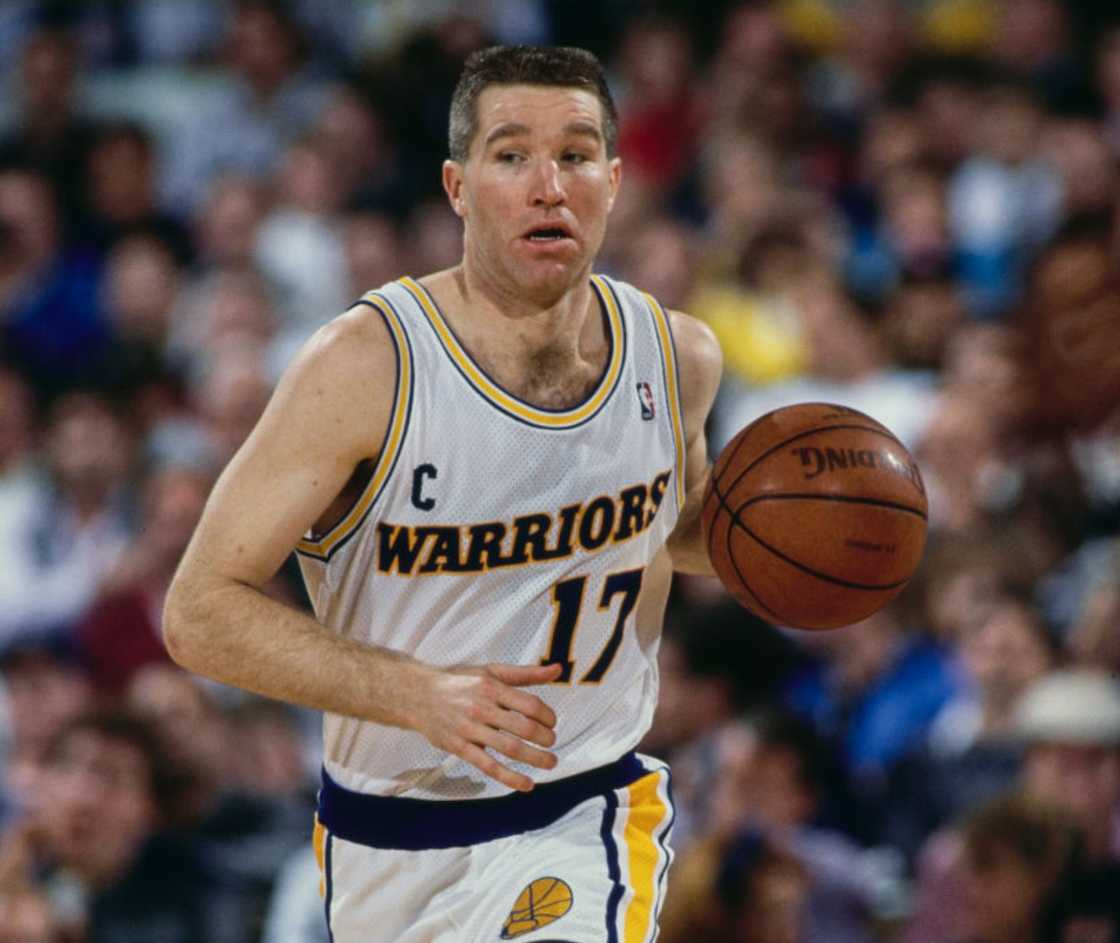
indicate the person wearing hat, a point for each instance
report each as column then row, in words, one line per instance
column 1069, row 722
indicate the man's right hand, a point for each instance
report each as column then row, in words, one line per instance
column 465, row 710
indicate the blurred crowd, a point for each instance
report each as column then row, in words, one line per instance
column 906, row 206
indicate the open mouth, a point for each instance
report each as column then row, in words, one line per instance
column 547, row 234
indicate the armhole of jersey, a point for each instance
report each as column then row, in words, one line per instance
column 323, row 547
column 672, row 384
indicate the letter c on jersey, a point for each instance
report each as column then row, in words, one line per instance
column 418, row 476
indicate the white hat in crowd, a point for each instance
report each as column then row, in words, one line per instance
column 1075, row 706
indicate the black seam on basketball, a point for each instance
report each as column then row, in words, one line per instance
column 870, row 587
column 744, row 582
column 801, row 435
column 845, row 498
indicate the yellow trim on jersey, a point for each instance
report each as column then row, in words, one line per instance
column 647, row 812
column 661, row 320
column 318, row 844
column 559, row 419
column 402, row 403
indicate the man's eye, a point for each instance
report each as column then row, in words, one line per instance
column 509, row 157
column 572, row 157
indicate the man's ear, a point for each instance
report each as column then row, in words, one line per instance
column 453, row 187
column 616, row 180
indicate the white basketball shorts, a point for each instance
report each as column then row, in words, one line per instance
column 579, row 860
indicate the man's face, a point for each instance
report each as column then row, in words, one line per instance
column 535, row 189
column 100, row 806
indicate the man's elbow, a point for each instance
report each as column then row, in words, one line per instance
column 185, row 624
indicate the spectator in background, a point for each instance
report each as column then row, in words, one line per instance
column 225, row 227
column 50, row 320
column 270, row 756
column 110, row 876
column 877, row 39
column 1017, row 850
column 142, row 282
column 1069, row 723
column 845, row 358
column 80, row 522
column 271, row 100
column 45, row 689
column 1034, row 39
column 1004, row 202
column 299, row 245
column 227, row 308
column 744, row 192
column 121, row 633
column 972, row 754
column 357, row 143
column 229, row 397
column 1079, row 151
column 52, row 136
column 912, row 238
column 757, row 895
column 947, row 98
column 374, row 251
column 239, row 835
column 876, row 690
column 772, row 783
column 656, row 65
column 121, row 191
column 707, row 677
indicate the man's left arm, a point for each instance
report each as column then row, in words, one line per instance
column 700, row 363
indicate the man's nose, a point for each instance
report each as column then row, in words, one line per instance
column 547, row 188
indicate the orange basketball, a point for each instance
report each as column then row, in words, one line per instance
column 815, row 516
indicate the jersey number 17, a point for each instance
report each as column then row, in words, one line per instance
column 567, row 601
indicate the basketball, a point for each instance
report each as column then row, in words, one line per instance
column 815, row 516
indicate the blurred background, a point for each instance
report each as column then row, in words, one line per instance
column 906, row 206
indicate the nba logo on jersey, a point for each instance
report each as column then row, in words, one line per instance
column 645, row 397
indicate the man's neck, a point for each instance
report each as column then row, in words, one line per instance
column 550, row 352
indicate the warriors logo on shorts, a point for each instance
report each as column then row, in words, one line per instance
column 538, row 905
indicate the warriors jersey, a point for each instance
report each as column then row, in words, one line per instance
column 492, row 530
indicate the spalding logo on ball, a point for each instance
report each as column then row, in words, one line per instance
column 815, row 516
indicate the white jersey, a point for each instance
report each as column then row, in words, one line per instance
column 496, row 531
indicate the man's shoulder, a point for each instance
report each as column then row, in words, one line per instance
column 359, row 339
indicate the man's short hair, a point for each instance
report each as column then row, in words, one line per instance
column 554, row 66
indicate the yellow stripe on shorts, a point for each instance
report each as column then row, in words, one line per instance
column 647, row 813
column 318, row 843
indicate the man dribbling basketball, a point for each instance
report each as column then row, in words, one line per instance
column 489, row 474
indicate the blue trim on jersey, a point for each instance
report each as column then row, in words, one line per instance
column 613, row 870
column 325, row 558
column 419, row 824
column 330, row 886
column 624, row 341
column 667, row 357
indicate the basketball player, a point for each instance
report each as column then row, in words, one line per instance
column 489, row 474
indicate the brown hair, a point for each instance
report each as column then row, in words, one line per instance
column 553, row 66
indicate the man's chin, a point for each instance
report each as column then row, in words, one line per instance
column 548, row 283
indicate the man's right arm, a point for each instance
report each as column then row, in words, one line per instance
column 330, row 412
